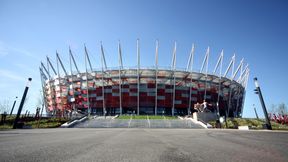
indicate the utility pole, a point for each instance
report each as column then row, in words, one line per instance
column 255, row 111
column 258, row 91
column 22, row 103
column 13, row 106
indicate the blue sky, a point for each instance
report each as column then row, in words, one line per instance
column 255, row 30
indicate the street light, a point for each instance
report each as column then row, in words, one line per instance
column 258, row 91
column 13, row 106
column 255, row 111
column 22, row 103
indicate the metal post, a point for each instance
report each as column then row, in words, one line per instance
column 21, row 103
column 255, row 111
column 13, row 106
column 258, row 91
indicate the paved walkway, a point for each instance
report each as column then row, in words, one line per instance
column 124, row 145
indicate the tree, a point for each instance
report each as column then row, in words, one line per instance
column 25, row 101
column 40, row 101
column 4, row 106
column 282, row 109
column 273, row 109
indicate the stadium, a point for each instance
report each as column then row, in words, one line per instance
column 139, row 90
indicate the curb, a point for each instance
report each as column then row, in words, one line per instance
column 69, row 125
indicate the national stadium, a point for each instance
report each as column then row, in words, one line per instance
column 139, row 90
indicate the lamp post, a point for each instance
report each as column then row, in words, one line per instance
column 13, row 106
column 255, row 111
column 258, row 91
column 22, row 103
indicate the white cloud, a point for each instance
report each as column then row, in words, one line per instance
column 6, row 50
column 9, row 74
column 3, row 49
column 24, row 67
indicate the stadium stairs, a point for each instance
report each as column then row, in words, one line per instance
column 112, row 122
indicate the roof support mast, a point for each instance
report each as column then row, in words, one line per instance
column 190, row 60
column 230, row 86
column 86, row 74
column 242, row 73
column 190, row 67
column 138, row 76
column 87, row 57
column 48, row 60
column 219, row 62
column 103, row 57
column 246, row 77
column 42, row 65
column 66, row 74
column 156, row 76
column 174, row 77
column 71, row 81
column 63, row 68
column 120, row 78
column 237, row 70
column 51, row 87
column 229, row 66
column 205, row 62
column 103, row 63
column 70, row 52
column 42, row 74
column 43, row 78
column 240, row 67
column 60, row 87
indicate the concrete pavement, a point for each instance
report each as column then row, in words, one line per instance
column 120, row 144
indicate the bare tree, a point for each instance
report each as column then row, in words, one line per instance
column 282, row 108
column 273, row 109
column 25, row 101
column 4, row 106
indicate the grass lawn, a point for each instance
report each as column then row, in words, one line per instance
column 251, row 122
column 33, row 123
column 151, row 117
column 47, row 123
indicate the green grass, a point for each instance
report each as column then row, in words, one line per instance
column 47, row 123
column 43, row 123
column 151, row 117
column 6, row 126
column 250, row 122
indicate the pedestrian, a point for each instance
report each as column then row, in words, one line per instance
column 205, row 106
column 197, row 107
